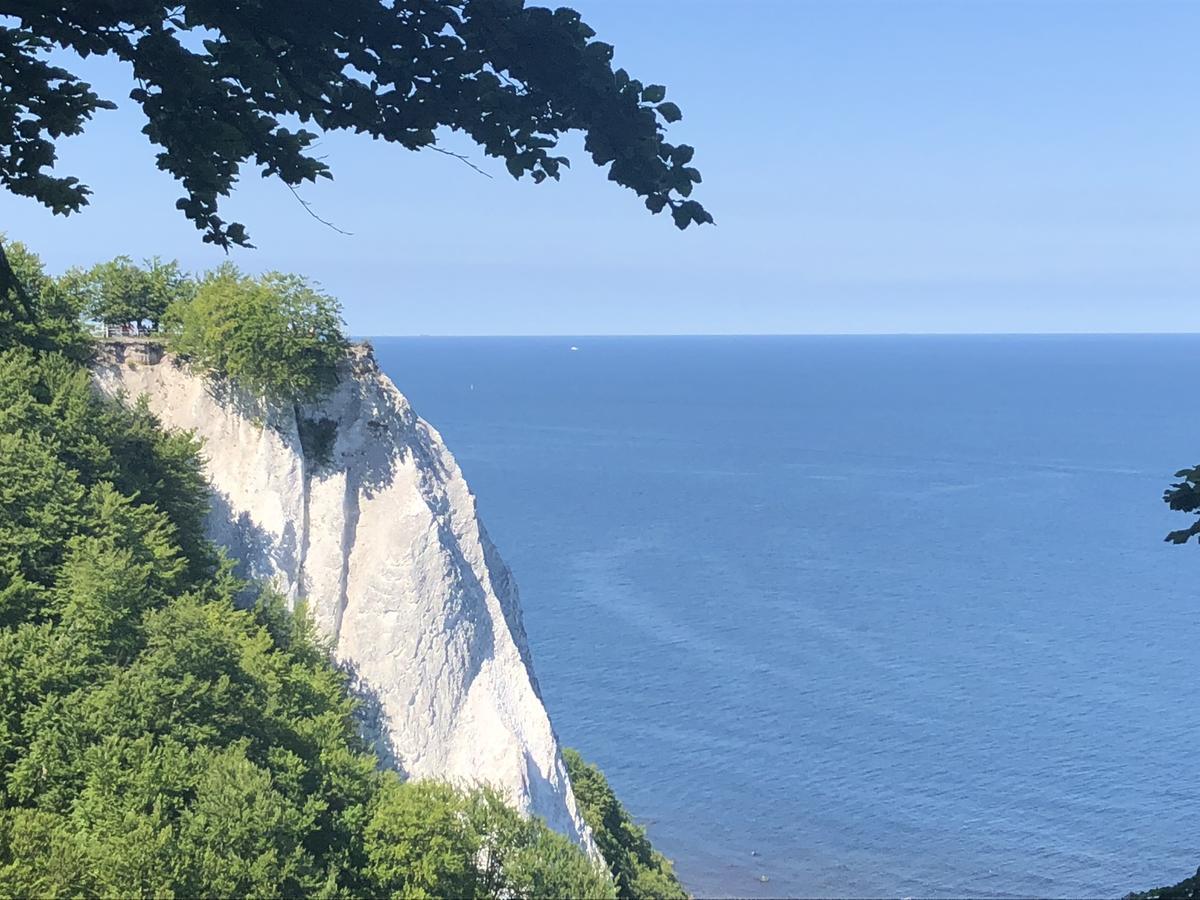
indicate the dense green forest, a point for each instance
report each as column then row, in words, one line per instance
column 155, row 738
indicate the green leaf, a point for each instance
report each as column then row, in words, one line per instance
column 669, row 111
column 654, row 93
column 682, row 155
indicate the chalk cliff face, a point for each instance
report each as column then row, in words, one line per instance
column 355, row 504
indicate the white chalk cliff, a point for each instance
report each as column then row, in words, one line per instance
column 370, row 520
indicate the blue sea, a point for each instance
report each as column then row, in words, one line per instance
column 855, row 616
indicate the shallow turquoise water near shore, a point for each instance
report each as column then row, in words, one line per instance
column 865, row 616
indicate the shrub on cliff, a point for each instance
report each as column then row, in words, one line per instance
column 640, row 871
column 277, row 336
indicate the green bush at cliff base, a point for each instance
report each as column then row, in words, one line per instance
column 427, row 840
column 1188, row 889
column 157, row 740
column 277, row 336
column 640, row 871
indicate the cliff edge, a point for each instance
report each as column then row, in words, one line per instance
column 355, row 504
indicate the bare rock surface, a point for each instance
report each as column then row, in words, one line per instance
column 355, row 504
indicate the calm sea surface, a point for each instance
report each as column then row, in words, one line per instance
column 862, row 616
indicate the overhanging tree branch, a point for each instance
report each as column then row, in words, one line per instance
column 215, row 80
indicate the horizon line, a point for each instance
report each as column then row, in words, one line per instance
column 788, row 334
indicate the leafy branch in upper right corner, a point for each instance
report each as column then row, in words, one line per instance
column 1184, row 496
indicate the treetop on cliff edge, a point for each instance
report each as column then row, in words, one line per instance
column 214, row 80
column 278, row 336
column 120, row 291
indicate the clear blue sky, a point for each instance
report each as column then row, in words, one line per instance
column 884, row 166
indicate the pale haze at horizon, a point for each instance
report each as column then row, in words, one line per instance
column 872, row 166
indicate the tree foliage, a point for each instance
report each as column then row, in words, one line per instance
column 37, row 310
column 154, row 738
column 218, row 81
column 640, row 871
column 277, row 336
column 120, row 291
column 427, row 840
column 1188, row 889
column 1184, row 496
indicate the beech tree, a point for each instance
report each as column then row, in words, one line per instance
column 277, row 335
column 219, row 84
column 40, row 311
column 120, row 291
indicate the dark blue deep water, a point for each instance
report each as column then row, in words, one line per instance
column 863, row 615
